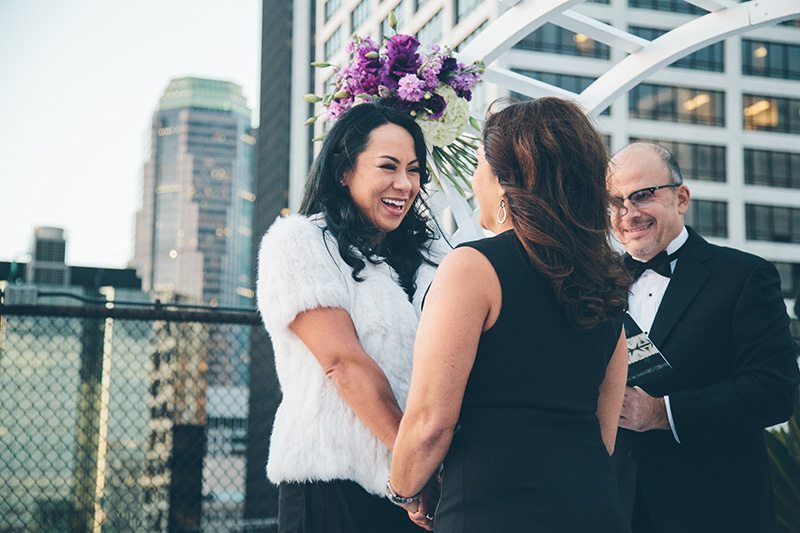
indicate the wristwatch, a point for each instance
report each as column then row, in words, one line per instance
column 396, row 498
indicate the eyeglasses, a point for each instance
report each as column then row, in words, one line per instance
column 641, row 198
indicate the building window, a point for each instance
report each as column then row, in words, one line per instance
column 702, row 162
column 773, row 169
column 772, row 60
column 607, row 143
column 334, row 42
column 674, row 6
column 359, row 15
column 431, row 32
column 569, row 82
column 677, row 104
column 790, row 278
column 331, row 7
column 772, row 223
column 465, row 7
column 471, row 36
column 52, row 251
column 708, row 58
column 556, row 40
column 771, row 113
column 708, row 217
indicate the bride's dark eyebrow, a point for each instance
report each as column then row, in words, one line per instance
column 395, row 160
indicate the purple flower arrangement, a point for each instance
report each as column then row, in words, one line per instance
column 430, row 85
column 401, row 74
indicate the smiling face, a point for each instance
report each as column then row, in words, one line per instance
column 386, row 177
column 645, row 231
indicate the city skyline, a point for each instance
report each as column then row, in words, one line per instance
column 87, row 78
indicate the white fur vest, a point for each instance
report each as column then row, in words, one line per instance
column 316, row 436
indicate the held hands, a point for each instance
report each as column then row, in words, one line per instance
column 642, row 412
column 421, row 510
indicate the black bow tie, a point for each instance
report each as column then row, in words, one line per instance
column 659, row 264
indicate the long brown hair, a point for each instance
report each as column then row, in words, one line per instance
column 552, row 164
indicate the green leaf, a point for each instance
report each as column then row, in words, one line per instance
column 474, row 123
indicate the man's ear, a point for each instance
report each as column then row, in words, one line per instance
column 683, row 199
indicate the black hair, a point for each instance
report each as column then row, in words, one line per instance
column 357, row 237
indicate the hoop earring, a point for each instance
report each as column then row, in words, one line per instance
column 502, row 213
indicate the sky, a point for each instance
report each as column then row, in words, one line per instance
column 80, row 82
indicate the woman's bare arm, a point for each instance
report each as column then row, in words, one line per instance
column 463, row 301
column 612, row 391
column 330, row 335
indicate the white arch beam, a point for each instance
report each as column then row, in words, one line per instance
column 511, row 27
column 725, row 18
column 599, row 31
column 680, row 42
column 524, row 84
column 712, row 5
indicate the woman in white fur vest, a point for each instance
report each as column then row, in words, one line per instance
column 339, row 289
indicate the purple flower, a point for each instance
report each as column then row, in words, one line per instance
column 401, row 59
column 337, row 107
column 430, row 72
column 450, row 68
column 411, row 88
column 361, row 45
column 403, row 77
column 463, row 84
column 434, row 106
column 360, row 75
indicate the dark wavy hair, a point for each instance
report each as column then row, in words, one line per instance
column 552, row 164
column 357, row 237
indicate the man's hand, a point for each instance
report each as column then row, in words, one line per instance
column 642, row 412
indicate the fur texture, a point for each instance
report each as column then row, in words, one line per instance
column 316, row 436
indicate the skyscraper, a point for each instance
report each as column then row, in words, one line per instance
column 194, row 243
column 193, row 232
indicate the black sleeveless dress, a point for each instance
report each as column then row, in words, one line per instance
column 527, row 455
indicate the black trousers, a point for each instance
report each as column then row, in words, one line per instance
column 338, row 506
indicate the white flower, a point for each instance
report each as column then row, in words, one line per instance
column 443, row 131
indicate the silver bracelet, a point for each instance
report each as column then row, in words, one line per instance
column 396, row 498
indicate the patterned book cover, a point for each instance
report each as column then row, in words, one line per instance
column 645, row 360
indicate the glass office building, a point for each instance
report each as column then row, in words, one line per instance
column 193, row 231
column 730, row 111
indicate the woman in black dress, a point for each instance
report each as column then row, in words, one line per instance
column 520, row 361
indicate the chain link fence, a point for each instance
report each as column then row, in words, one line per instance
column 116, row 419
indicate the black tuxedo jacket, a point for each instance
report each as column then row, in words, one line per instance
column 722, row 324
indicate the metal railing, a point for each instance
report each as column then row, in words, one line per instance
column 125, row 416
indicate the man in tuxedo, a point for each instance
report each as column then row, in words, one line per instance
column 691, row 453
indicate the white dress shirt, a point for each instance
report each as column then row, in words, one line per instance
column 645, row 297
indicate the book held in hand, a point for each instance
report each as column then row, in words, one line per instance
column 645, row 361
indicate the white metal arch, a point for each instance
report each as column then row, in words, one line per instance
column 725, row 18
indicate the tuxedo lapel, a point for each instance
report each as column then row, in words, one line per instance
column 690, row 274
